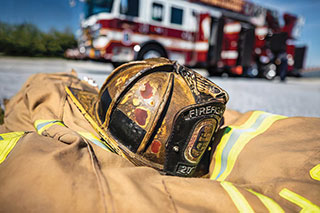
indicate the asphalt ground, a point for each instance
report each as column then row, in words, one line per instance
column 295, row 97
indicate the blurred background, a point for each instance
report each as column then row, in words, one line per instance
column 247, row 47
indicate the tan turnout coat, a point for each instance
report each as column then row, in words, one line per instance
column 262, row 162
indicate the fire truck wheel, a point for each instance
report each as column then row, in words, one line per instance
column 269, row 71
column 151, row 51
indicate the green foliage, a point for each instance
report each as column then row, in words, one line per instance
column 28, row 40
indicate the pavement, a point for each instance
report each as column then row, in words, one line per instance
column 295, row 97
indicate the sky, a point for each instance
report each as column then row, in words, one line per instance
column 46, row 14
column 58, row 14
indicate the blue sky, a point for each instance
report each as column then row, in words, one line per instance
column 46, row 14
column 58, row 14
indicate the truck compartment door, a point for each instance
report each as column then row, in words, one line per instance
column 246, row 45
column 215, row 40
column 299, row 54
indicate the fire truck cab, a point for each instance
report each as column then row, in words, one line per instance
column 123, row 30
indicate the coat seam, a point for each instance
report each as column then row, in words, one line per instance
column 170, row 196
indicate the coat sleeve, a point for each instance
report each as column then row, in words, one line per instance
column 41, row 97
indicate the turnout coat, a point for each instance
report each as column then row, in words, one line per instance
column 51, row 160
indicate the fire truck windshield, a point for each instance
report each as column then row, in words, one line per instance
column 98, row 6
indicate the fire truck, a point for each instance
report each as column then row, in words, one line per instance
column 225, row 36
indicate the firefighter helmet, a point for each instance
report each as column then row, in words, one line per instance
column 156, row 113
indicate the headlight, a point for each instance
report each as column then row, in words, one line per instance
column 82, row 50
column 100, row 42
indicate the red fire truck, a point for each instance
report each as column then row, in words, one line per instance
column 224, row 36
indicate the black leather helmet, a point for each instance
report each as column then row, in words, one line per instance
column 157, row 113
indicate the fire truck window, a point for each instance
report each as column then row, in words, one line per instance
column 98, row 6
column 129, row 7
column 157, row 12
column 176, row 15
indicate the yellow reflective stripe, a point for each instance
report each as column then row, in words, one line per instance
column 243, row 140
column 305, row 204
column 238, row 199
column 236, row 138
column 224, row 141
column 41, row 125
column 315, row 172
column 269, row 203
column 7, row 142
column 91, row 137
